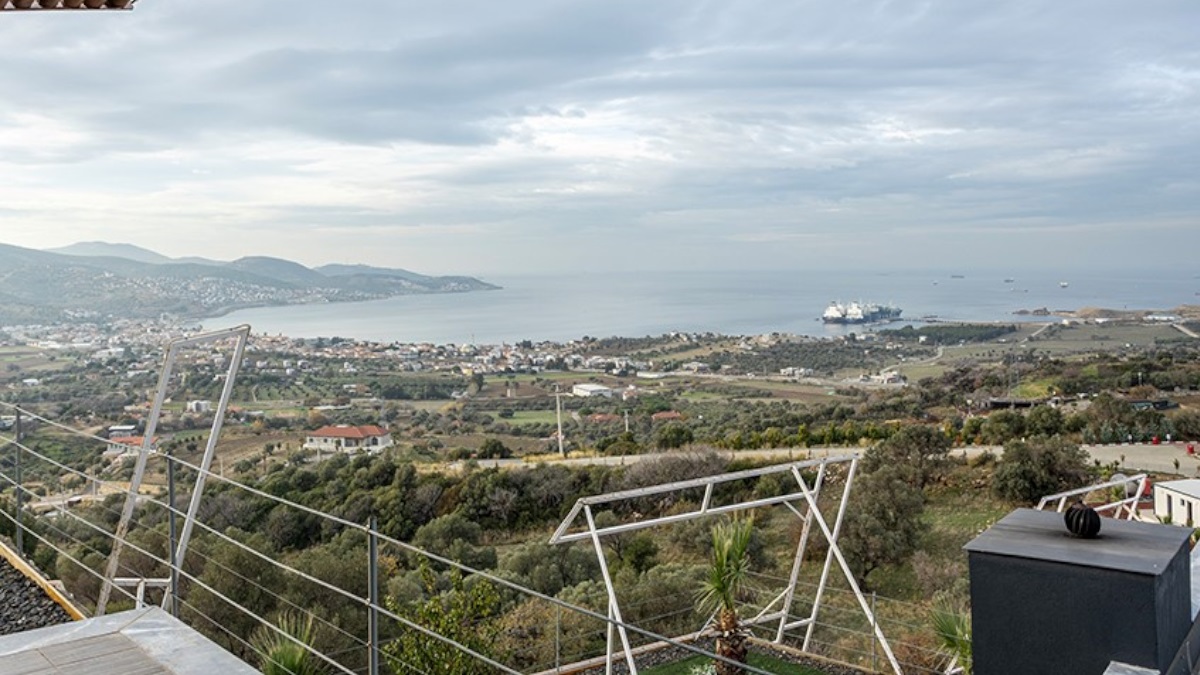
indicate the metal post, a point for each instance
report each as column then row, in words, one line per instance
column 832, row 536
column 874, row 642
column 373, row 591
column 614, row 611
column 798, row 561
column 833, row 548
column 558, row 408
column 242, row 334
column 171, row 532
column 20, row 531
column 139, row 472
column 558, row 638
column 608, row 649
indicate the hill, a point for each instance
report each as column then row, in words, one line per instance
column 94, row 249
column 97, row 280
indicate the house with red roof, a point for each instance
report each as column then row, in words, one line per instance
column 121, row 447
column 348, row 439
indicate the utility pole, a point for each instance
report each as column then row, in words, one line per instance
column 558, row 406
column 20, row 533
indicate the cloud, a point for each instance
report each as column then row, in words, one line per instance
column 740, row 132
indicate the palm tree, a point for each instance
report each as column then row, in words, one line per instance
column 719, row 592
column 953, row 629
column 283, row 656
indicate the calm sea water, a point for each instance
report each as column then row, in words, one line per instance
column 740, row 303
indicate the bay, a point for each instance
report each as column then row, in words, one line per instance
column 570, row 306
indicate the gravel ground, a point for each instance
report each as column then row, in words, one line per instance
column 24, row 605
column 672, row 654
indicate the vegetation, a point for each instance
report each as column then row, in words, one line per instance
column 289, row 651
column 1040, row 466
column 465, row 614
column 953, row 630
column 915, row 500
column 721, row 589
column 951, row 333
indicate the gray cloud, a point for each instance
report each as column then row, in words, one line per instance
column 744, row 132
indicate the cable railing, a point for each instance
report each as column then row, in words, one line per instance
column 233, row 591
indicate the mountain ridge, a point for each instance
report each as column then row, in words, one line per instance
column 91, row 280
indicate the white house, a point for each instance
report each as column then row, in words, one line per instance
column 122, row 430
column 121, row 447
column 345, row 438
column 1178, row 501
column 589, row 390
column 199, row 407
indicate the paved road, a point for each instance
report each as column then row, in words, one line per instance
column 1132, row 458
column 1147, row 457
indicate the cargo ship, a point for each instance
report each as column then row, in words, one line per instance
column 857, row 312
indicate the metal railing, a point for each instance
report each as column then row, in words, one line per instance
column 229, row 589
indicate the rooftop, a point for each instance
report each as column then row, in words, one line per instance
column 344, row 431
column 139, row 642
column 1187, row 486
column 1139, row 548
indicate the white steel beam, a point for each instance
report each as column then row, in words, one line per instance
column 1126, row 507
column 837, row 552
column 811, row 514
column 242, row 334
column 614, row 609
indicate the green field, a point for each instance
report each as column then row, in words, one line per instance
column 1060, row 341
column 535, row 417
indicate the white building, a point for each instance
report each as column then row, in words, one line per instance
column 121, row 447
column 199, row 407
column 345, row 438
column 589, row 390
column 122, row 430
column 1178, row 501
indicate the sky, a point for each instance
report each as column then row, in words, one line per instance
column 610, row 136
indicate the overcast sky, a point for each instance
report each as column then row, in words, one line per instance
column 485, row 137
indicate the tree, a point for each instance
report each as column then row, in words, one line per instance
column 456, row 538
column 1039, row 466
column 1044, row 420
column 494, row 448
column 466, row 614
column 883, row 522
column 1003, row 426
column 1187, row 425
column 919, row 451
column 549, row 569
column 721, row 589
column 674, row 435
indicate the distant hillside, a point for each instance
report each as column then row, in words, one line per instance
column 96, row 279
column 95, row 249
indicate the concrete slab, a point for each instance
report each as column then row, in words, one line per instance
column 139, row 642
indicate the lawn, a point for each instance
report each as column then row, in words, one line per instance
column 767, row 663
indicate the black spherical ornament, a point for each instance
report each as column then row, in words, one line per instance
column 1082, row 521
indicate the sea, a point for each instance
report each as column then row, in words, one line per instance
column 565, row 307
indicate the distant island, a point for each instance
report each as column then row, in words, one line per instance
column 101, row 280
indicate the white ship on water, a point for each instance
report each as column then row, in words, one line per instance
column 857, row 312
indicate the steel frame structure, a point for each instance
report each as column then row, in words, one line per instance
column 1126, row 508
column 802, row 502
column 242, row 335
